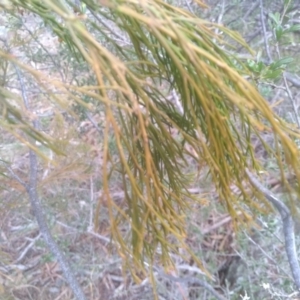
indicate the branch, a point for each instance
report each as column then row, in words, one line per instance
column 285, row 80
column 249, row 12
column 292, row 79
column 262, row 18
column 294, row 105
column 288, row 227
column 31, row 189
column 25, row 251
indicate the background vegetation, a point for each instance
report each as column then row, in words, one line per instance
column 131, row 132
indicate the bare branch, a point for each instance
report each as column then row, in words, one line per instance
column 292, row 100
column 262, row 18
column 295, row 108
column 31, row 189
column 295, row 81
column 288, row 227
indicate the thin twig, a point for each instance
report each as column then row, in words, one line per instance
column 221, row 14
column 295, row 109
column 16, row 177
column 189, row 6
column 27, row 248
column 89, row 231
column 192, row 280
column 93, row 122
column 288, row 227
column 265, row 253
column 91, row 222
column 292, row 100
column 262, row 18
column 249, row 12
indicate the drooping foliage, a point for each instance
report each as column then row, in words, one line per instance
column 137, row 54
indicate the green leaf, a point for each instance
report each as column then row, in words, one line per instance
column 275, row 17
column 272, row 74
column 278, row 32
column 281, row 63
column 293, row 28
